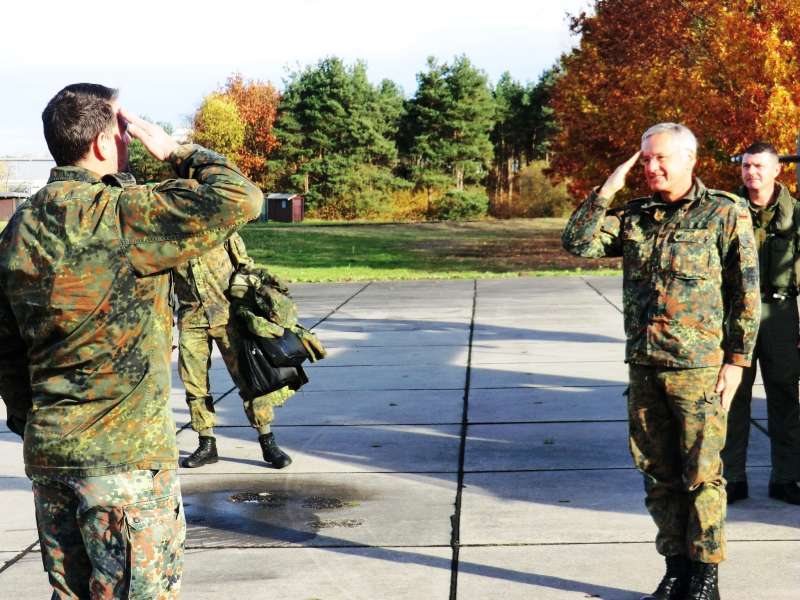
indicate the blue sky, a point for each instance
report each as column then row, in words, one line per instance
column 165, row 56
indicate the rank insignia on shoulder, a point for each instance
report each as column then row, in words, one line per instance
column 119, row 179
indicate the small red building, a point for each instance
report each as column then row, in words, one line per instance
column 9, row 201
column 286, row 208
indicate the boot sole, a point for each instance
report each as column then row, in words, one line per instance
column 202, row 464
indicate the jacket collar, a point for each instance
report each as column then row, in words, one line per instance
column 779, row 214
column 72, row 173
column 697, row 192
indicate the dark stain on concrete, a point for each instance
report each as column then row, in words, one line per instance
column 269, row 510
column 346, row 523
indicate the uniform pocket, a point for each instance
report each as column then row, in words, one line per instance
column 781, row 262
column 637, row 250
column 690, row 254
column 155, row 532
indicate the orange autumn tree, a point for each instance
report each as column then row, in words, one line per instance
column 257, row 103
column 728, row 69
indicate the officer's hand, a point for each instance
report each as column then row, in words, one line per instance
column 728, row 380
column 157, row 141
column 616, row 181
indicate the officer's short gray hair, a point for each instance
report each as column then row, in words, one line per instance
column 681, row 133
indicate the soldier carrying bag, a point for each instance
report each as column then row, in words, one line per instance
column 261, row 375
column 274, row 344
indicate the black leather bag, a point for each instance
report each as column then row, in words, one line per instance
column 285, row 351
column 260, row 375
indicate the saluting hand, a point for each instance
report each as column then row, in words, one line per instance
column 157, row 141
column 616, row 181
column 728, row 380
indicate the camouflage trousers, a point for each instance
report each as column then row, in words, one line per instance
column 677, row 430
column 111, row 536
column 194, row 360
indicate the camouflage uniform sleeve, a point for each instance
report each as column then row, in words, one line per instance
column 238, row 253
column 14, row 381
column 166, row 224
column 593, row 231
column 740, row 287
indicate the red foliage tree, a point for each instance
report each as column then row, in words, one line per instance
column 258, row 105
column 728, row 69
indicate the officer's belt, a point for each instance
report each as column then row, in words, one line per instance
column 770, row 296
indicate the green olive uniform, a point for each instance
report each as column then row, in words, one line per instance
column 777, row 235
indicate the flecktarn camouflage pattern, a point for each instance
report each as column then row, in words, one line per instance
column 677, row 258
column 205, row 316
column 685, row 498
column 85, row 323
column 691, row 301
column 85, row 335
column 130, row 541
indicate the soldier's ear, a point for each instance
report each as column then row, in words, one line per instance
column 102, row 145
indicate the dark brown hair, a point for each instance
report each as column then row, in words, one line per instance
column 74, row 117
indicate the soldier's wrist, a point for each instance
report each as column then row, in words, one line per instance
column 179, row 156
column 600, row 195
column 737, row 360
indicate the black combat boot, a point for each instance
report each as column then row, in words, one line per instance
column 205, row 454
column 272, row 454
column 736, row 490
column 675, row 582
column 703, row 584
column 788, row 492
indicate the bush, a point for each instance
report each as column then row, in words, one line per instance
column 534, row 195
column 409, row 205
column 370, row 191
column 458, row 205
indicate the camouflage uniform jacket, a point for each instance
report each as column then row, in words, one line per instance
column 202, row 282
column 690, row 274
column 85, row 323
column 777, row 234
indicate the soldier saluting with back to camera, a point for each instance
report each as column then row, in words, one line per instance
column 85, row 334
column 691, row 310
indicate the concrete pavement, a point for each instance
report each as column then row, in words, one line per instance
column 464, row 440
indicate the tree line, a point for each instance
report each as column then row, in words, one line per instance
column 730, row 70
column 357, row 149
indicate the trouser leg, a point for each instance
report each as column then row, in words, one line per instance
column 653, row 435
column 63, row 553
column 132, row 530
column 702, row 422
column 194, row 360
column 780, row 369
column 734, row 454
column 677, row 430
column 258, row 408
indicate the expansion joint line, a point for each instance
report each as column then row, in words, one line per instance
column 19, row 556
column 455, row 519
column 602, row 295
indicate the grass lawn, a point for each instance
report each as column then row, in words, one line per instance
column 448, row 250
